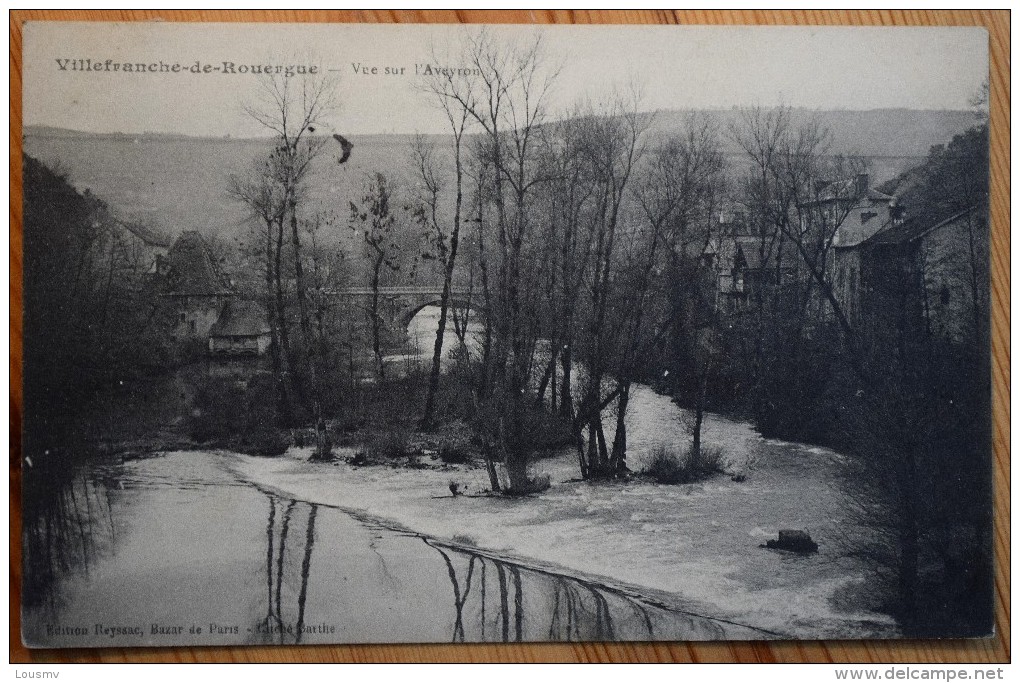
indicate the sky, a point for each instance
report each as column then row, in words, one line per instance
column 677, row 67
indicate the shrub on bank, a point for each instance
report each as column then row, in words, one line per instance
column 217, row 410
column 270, row 442
column 242, row 416
column 668, row 466
column 455, row 443
column 393, row 444
column 548, row 431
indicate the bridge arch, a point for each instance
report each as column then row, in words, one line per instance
column 404, row 318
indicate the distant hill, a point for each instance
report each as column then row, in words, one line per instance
column 55, row 132
column 871, row 133
column 176, row 182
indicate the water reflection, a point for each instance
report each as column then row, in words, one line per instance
column 66, row 521
column 277, row 626
column 533, row 605
column 177, row 542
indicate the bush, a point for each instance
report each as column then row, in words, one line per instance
column 454, row 454
column 267, row 441
column 455, row 443
column 669, row 467
column 389, row 445
column 666, row 466
column 711, row 461
column 217, row 411
column 548, row 431
column 527, row 485
column 231, row 414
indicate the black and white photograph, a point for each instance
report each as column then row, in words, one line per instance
column 341, row 333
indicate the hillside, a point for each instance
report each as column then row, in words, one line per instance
column 176, row 183
column 884, row 133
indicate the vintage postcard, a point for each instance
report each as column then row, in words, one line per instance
column 409, row 333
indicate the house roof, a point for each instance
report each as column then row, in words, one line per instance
column 191, row 268
column 240, row 319
column 744, row 251
column 845, row 190
column 147, row 234
column 911, row 230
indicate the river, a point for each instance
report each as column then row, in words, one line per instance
column 175, row 550
column 180, row 549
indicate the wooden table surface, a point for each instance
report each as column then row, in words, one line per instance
column 991, row 650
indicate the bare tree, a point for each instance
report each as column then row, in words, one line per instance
column 678, row 194
column 293, row 108
column 505, row 92
column 447, row 241
column 375, row 220
column 260, row 193
column 614, row 149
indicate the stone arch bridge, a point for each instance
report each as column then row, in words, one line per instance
column 399, row 305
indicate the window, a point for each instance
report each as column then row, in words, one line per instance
column 944, row 295
column 191, row 327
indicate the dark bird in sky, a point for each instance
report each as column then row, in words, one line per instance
column 345, row 145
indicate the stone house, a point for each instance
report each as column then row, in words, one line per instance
column 145, row 246
column 192, row 289
column 240, row 330
column 934, row 275
column 741, row 262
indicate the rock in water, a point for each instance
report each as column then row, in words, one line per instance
column 795, row 540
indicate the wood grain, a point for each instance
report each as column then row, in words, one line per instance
column 994, row 649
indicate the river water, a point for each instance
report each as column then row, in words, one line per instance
column 176, row 550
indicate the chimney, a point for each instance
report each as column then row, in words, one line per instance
column 862, row 184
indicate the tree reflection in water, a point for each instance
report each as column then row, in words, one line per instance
column 576, row 609
column 66, row 522
column 493, row 599
column 372, row 583
column 276, row 627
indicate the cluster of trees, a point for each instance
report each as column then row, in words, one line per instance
column 909, row 404
column 582, row 239
column 287, row 246
column 569, row 233
column 91, row 315
column 590, row 235
column 577, row 228
column 918, row 423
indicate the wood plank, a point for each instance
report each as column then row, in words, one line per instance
column 994, row 649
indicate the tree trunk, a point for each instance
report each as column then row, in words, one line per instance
column 273, row 328
column 619, row 459
column 490, row 467
column 376, row 320
column 451, row 261
column 427, row 420
column 306, row 326
column 281, row 324
column 566, row 399
column 550, row 371
column 603, row 447
column 699, row 416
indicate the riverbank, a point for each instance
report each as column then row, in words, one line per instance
column 696, row 545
